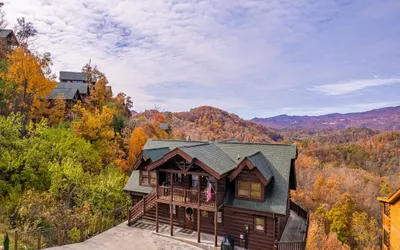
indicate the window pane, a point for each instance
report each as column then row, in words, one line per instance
column 259, row 224
column 219, row 217
column 255, row 190
column 243, row 188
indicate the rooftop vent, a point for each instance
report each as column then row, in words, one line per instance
column 238, row 157
column 188, row 138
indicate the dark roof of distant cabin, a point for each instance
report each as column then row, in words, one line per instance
column 73, row 76
column 82, row 87
column 273, row 161
column 68, row 94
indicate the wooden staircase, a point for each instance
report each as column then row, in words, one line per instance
column 140, row 208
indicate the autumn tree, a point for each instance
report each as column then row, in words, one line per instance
column 25, row 32
column 25, row 73
column 364, row 231
column 57, row 111
column 339, row 217
column 137, row 141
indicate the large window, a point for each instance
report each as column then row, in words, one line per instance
column 195, row 180
column 144, row 178
column 247, row 189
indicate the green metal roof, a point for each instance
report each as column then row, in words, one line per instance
column 133, row 184
column 156, row 153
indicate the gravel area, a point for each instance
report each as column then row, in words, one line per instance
column 123, row 237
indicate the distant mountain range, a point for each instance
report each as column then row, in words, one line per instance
column 380, row 119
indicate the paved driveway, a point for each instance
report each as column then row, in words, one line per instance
column 123, row 237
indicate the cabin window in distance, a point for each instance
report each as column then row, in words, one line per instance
column 144, row 178
column 153, row 178
column 259, row 224
column 386, row 209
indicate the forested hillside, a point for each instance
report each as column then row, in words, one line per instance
column 340, row 173
column 209, row 123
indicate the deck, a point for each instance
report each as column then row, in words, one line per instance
column 189, row 197
column 295, row 228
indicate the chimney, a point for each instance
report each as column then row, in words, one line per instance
column 188, row 138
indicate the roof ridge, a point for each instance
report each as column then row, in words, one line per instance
column 175, row 140
column 155, row 148
column 256, row 143
column 258, row 152
column 191, row 146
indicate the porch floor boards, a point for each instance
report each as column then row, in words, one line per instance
column 185, row 235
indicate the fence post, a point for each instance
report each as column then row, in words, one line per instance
column 99, row 226
column 114, row 215
column 16, row 240
column 81, row 232
column 128, row 216
column 59, row 236
column 39, row 239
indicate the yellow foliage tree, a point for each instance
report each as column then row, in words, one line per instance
column 94, row 126
column 137, row 141
column 26, row 71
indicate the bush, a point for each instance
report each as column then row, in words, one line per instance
column 6, row 242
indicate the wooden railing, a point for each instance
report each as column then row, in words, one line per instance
column 298, row 209
column 295, row 245
column 188, row 196
column 140, row 208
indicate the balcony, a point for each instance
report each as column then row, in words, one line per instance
column 190, row 197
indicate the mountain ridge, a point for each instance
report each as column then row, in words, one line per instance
column 382, row 119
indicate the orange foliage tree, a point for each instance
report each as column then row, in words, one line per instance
column 137, row 141
column 25, row 71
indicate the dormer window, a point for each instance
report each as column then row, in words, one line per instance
column 249, row 190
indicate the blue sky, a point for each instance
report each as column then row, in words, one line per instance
column 252, row 58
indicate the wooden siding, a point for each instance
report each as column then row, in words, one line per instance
column 395, row 225
column 234, row 221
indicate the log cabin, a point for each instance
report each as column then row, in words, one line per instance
column 220, row 188
column 391, row 221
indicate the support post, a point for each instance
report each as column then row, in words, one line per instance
column 157, row 184
column 171, row 220
column 114, row 215
column 198, row 224
column 39, row 239
column 16, row 240
column 215, row 228
column 59, row 236
column 156, row 217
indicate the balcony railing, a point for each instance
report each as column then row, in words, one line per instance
column 188, row 196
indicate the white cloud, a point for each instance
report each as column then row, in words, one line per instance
column 232, row 52
column 354, row 85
